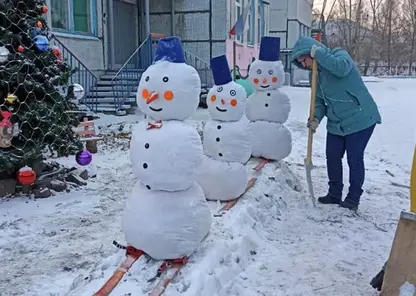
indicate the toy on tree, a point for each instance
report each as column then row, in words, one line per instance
column 268, row 107
column 167, row 215
column 223, row 175
column 29, row 76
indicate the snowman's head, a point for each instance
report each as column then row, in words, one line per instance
column 169, row 91
column 267, row 75
column 227, row 102
column 226, row 99
column 267, row 72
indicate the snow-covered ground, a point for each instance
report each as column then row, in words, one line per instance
column 273, row 242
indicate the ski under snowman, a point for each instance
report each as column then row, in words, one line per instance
column 223, row 175
column 268, row 107
column 166, row 216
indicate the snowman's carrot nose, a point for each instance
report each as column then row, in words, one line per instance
column 264, row 80
column 152, row 97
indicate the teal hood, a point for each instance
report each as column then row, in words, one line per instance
column 303, row 47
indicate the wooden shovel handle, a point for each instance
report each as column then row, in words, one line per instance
column 413, row 185
column 312, row 110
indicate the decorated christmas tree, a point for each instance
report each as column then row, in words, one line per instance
column 35, row 118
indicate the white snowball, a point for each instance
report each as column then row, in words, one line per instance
column 165, row 79
column 270, row 140
column 269, row 105
column 166, row 225
column 227, row 141
column 165, row 158
column 227, row 102
column 267, row 75
column 222, row 180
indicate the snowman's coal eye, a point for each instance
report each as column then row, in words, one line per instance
column 259, row 71
column 270, row 71
column 147, row 78
column 165, row 79
column 233, row 92
column 219, row 89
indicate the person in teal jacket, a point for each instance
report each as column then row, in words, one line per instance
column 351, row 113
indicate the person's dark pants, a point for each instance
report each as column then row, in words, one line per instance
column 355, row 145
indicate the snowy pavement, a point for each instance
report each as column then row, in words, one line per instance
column 273, row 242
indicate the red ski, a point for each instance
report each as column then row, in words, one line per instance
column 261, row 164
column 132, row 255
column 229, row 204
column 166, row 273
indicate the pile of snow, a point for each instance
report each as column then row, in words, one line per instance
column 238, row 240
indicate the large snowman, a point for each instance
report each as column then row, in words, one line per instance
column 268, row 107
column 167, row 215
column 223, row 175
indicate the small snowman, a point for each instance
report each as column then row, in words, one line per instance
column 166, row 215
column 223, row 175
column 268, row 107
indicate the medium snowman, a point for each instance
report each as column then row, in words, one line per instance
column 167, row 215
column 223, row 175
column 268, row 107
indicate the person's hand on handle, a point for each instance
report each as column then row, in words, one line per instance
column 313, row 124
column 313, row 50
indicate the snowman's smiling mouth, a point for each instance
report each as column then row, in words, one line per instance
column 156, row 110
column 265, row 86
column 221, row 110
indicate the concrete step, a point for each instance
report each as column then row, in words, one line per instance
column 111, row 108
column 102, row 88
column 106, row 94
column 118, row 84
column 132, row 77
column 110, row 100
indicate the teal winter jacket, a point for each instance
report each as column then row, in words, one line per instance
column 341, row 94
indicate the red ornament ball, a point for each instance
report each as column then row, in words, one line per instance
column 20, row 48
column 44, row 9
column 26, row 176
column 56, row 51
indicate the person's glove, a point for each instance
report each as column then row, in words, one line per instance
column 313, row 124
column 313, row 50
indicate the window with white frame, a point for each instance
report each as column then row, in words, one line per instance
column 259, row 22
column 78, row 16
column 239, row 4
column 266, row 13
column 251, row 19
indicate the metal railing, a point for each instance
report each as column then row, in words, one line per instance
column 203, row 68
column 82, row 76
column 126, row 80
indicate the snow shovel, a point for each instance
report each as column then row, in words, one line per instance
column 401, row 265
column 308, row 159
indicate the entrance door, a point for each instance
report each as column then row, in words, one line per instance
column 125, row 31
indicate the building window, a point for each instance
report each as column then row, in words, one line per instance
column 259, row 22
column 78, row 16
column 239, row 4
column 251, row 22
column 266, row 13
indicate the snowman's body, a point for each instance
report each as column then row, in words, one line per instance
column 165, row 158
column 223, row 175
column 166, row 225
column 227, row 141
column 268, row 109
column 166, row 215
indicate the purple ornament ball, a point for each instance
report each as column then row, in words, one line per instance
column 83, row 157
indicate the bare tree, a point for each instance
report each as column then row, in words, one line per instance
column 409, row 29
